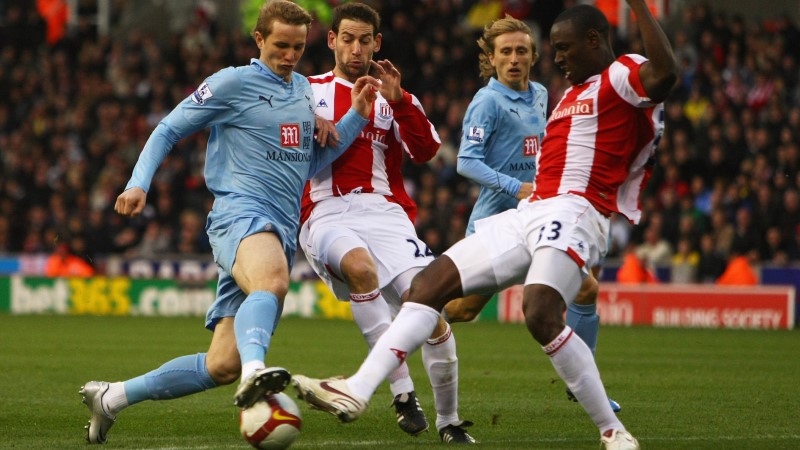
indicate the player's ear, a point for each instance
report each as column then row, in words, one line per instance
column 593, row 38
column 331, row 40
column 378, row 40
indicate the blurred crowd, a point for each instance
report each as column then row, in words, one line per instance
column 75, row 114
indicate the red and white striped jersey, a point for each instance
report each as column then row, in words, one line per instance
column 600, row 141
column 374, row 159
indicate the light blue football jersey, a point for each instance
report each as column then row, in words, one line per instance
column 261, row 148
column 503, row 130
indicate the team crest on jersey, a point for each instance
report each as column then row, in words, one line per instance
column 202, row 94
column 384, row 110
column 530, row 146
column 290, row 135
column 475, row 135
column 584, row 107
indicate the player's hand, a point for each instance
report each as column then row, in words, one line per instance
column 390, row 79
column 525, row 191
column 364, row 93
column 131, row 202
column 325, row 132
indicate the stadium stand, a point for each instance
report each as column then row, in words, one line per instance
column 74, row 115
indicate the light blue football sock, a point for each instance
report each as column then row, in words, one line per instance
column 583, row 319
column 182, row 376
column 254, row 324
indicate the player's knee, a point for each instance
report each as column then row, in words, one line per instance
column 223, row 370
column 588, row 292
column 361, row 276
column 461, row 311
column 279, row 287
column 436, row 284
column 440, row 329
column 543, row 308
column 276, row 282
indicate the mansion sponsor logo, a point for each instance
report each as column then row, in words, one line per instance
column 290, row 135
column 530, row 146
column 290, row 157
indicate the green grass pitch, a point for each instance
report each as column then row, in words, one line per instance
column 679, row 388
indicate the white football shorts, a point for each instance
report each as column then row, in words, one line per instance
column 505, row 249
column 340, row 224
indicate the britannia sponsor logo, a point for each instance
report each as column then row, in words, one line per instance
column 374, row 135
column 577, row 108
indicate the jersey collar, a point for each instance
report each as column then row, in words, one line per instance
column 505, row 90
column 266, row 71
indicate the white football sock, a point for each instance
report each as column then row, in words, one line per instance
column 115, row 399
column 441, row 362
column 412, row 326
column 373, row 316
column 249, row 367
column 575, row 364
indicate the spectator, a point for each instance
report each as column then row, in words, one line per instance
column 738, row 272
column 632, row 271
column 711, row 264
column 72, row 120
column 655, row 251
column 774, row 249
column 685, row 262
column 64, row 263
column 746, row 237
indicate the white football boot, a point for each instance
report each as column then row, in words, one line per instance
column 266, row 381
column 619, row 440
column 101, row 421
column 331, row 395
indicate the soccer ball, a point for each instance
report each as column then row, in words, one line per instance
column 272, row 423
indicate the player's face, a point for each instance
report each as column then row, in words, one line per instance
column 512, row 59
column 571, row 52
column 353, row 48
column 282, row 49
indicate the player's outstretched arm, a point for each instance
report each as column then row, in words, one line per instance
column 660, row 73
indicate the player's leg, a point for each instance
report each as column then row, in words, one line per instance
column 338, row 251
column 261, row 270
column 176, row 378
column 440, row 360
column 438, row 283
column 347, row 398
column 373, row 316
column 441, row 363
column 582, row 312
column 583, row 319
column 553, row 277
column 465, row 309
